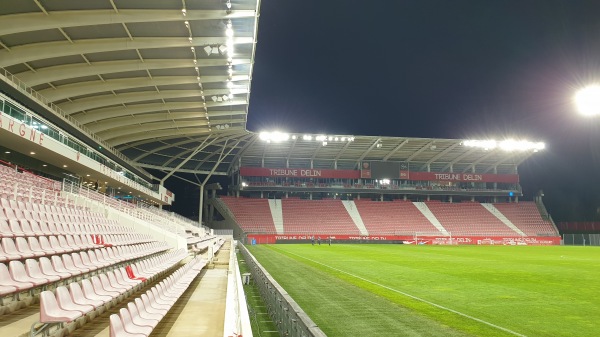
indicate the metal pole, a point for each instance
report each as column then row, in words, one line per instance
column 200, row 206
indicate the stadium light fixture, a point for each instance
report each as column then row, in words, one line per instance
column 509, row 145
column 307, row 137
column 275, row 136
column 588, row 100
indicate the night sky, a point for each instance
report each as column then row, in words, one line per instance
column 440, row 69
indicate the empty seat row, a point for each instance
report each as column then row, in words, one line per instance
column 65, row 306
column 7, row 213
column 18, row 277
column 18, row 209
column 143, row 314
column 23, row 248
column 127, row 239
column 12, row 228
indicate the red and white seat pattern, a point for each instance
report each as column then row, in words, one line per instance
column 142, row 315
column 77, row 300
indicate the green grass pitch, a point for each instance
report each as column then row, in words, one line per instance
column 402, row 290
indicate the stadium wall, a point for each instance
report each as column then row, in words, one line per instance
column 407, row 239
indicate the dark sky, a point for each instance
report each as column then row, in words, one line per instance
column 447, row 69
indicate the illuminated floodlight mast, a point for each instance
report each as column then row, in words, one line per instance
column 588, row 100
column 509, row 145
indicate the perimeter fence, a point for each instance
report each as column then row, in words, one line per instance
column 289, row 318
column 581, row 239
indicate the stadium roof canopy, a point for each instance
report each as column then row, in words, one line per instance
column 165, row 84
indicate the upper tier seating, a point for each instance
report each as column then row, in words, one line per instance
column 526, row 216
column 393, row 218
column 253, row 215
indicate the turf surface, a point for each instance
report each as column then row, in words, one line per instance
column 401, row 290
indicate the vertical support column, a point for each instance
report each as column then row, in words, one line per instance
column 205, row 212
column 450, row 199
column 200, row 208
column 495, row 172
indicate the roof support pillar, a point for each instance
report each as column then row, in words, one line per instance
column 221, row 157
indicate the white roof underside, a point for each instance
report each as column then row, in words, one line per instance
column 125, row 71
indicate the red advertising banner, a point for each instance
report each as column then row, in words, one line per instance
column 298, row 173
column 464, row 177
column 365, row 173
column 411, row 240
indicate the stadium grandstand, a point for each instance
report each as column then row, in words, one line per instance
column 102, row 101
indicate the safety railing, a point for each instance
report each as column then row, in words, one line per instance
column 289, row 318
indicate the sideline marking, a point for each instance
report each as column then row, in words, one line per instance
column 411, row 296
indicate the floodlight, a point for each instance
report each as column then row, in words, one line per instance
column 275, row 136
column 222, row 49
column 343, row 139
column 229, row 32
column 588, row 100
column 215, row 50
column 214, row 98
column 229, row 84
column 307, row 137
column 485, row 144
column 294, row 137
column 208, row 50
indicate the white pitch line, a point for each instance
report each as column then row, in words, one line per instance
column 416, row 298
